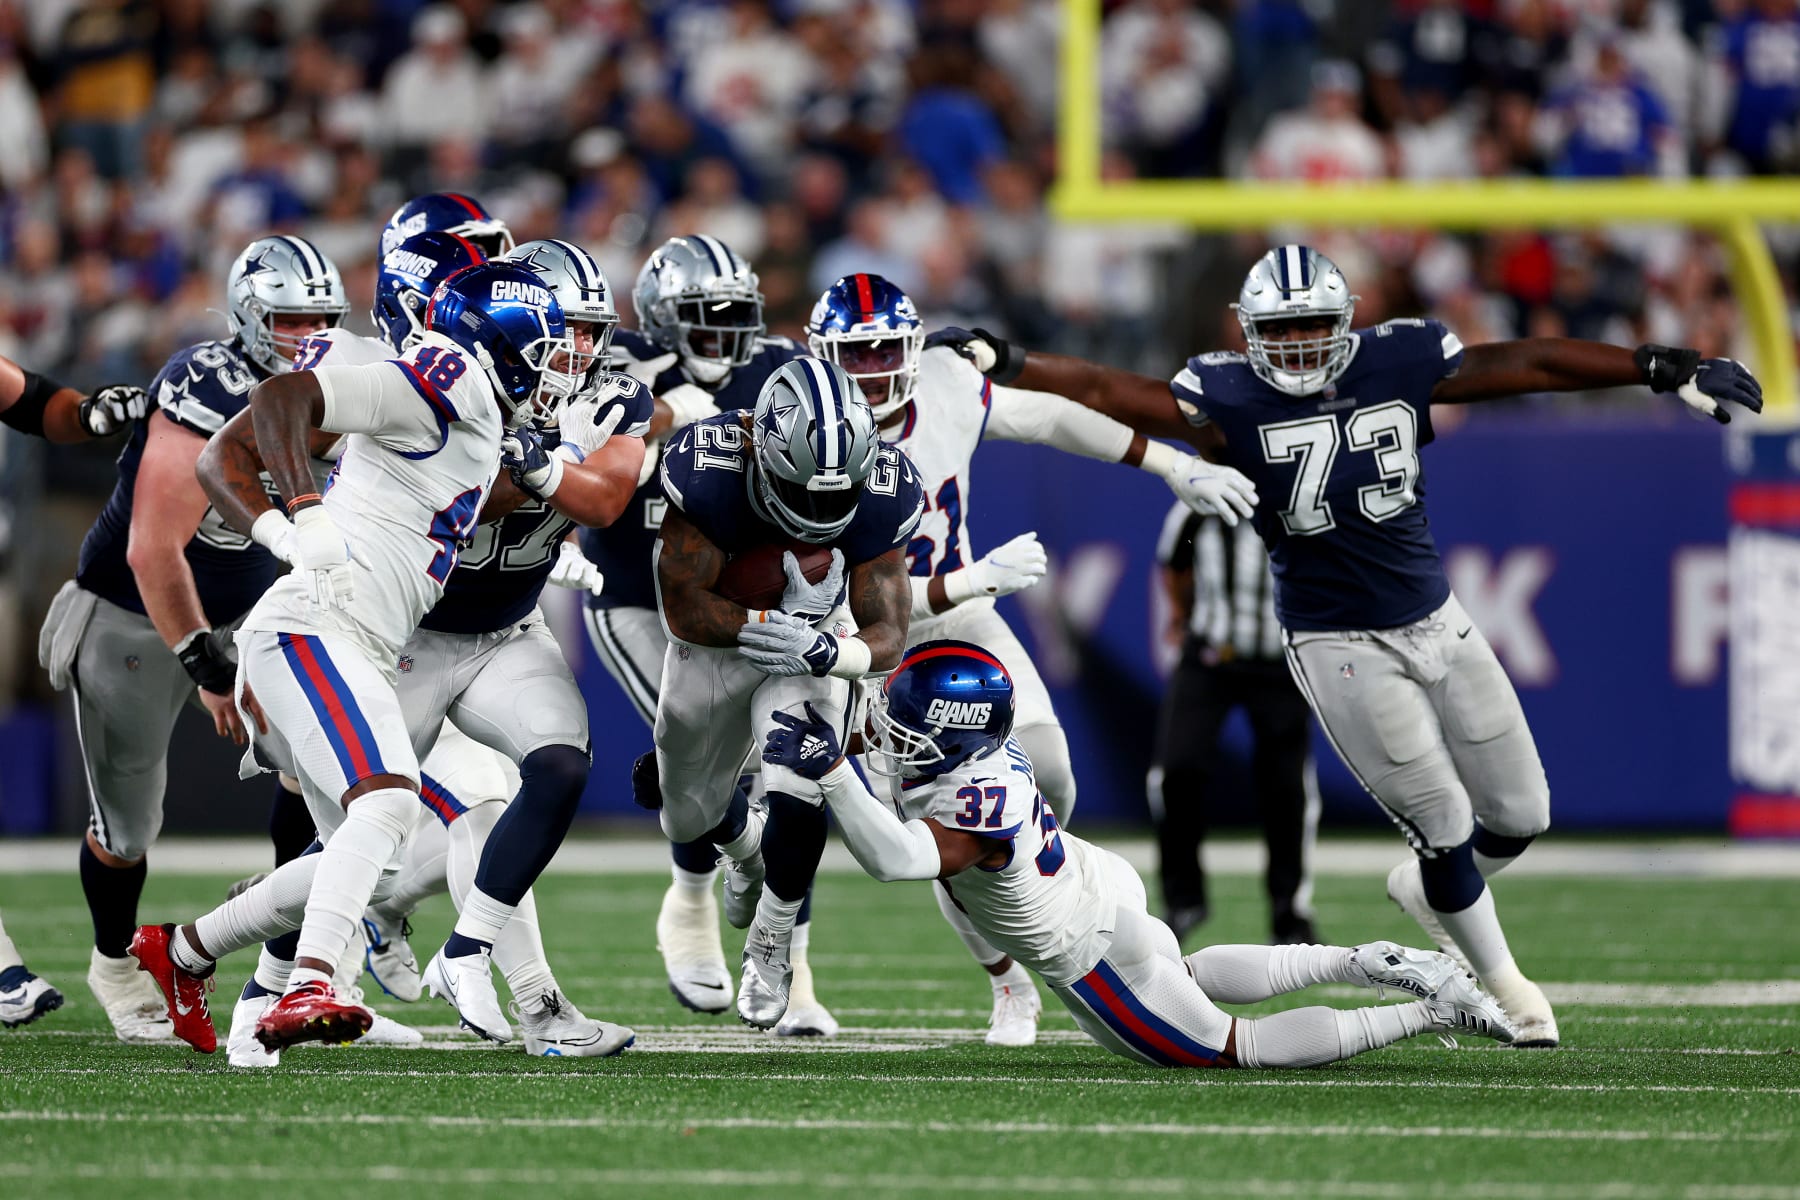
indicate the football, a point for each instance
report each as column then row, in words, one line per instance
column 755, row 579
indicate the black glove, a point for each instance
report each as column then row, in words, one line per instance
column 978, row 345
column 203, row 657
column 113, row 407
column 1665, row 368
column 646, row 783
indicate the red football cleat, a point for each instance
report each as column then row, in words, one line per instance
column 312, row 1012
column 185, row 993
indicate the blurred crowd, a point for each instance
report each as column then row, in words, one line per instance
column 143, row 142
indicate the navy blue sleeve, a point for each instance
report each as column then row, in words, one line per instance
column 203, row 386
column 1206, row 376
column 892, row 502
column 703, row 472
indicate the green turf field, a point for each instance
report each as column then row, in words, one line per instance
column 1679, row 1075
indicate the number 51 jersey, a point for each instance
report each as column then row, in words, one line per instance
column 1342, row 509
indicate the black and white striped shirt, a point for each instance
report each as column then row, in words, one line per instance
column 1234, row 593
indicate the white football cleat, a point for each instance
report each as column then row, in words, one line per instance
column 385, row 1031
column 687, row 933
column 26, row 998
column 805, row 1016
column 555, row 1028
column 744, row 877
column 389, row 958
column 241, row 1047
column 467, row 985
column 1014, row 1021
column 1407, row 889
column 1533, row 1021
column 132, row 1001
column 767, row 975
column 1385, row 965
column 1461, row 1005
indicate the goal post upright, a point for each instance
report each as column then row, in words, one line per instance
column 1731, row 209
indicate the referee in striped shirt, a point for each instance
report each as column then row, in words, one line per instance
column 1223, row 601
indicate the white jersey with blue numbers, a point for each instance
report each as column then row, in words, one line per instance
column 1050, row 903
column 422, row 448
column 199, row 389
column 1342, row 509
column 623, row 549
column 942, row 428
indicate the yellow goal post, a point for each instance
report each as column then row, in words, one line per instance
column 1729, row 209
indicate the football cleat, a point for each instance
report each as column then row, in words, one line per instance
column 184, row 992
column 1460, row 1005
column 1533, row 1021
column 389, row 958
column 241, row 1047
column 384, row 1031
column 744, row 878
column 555, row 1028
column 766, row 978
column 805, row 1016
column 687, row 933
column 1014, row 1021
column 1407, row 889
column 24, row 997
column 245, row 884
column 467, row 985
column 312, row 1012
column 137, row 1010
column 1420, row 973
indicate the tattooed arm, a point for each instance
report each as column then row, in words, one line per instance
column 687, row 568
column 230, row 471
column 881, row 602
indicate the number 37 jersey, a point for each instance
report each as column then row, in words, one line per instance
column 1342, row 509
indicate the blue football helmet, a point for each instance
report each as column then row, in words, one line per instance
column 511, row 324
column 870, row 328
column 946, row 703
column 1296, row 283
column 813, row 445
column 409, row 274
column 447, row 212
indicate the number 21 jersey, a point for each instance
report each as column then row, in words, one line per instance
column 1342, row 509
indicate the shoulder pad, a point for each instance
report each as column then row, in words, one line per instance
column 204, row 386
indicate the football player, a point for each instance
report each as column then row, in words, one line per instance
column 319, row 652
column 448, row 212
column 463, row 784
column 40, row 406
column 1328, row 421
column 804, row 466
column 971, row 816
column 935, row 406
column 145, row 625
column 703, row 348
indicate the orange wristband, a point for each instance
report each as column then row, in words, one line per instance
column 309, row 498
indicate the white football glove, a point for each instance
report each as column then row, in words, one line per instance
column 574, row 571
column 112, row 408
column 273, row 530
column 1211, row 490
column 687, row 403
column 811, row 601
column 1006, row 569
column 783, row 645
column 321, row 552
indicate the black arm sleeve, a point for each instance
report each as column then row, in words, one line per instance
column 26, row 414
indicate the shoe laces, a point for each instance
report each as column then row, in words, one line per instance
column 1010, row 1004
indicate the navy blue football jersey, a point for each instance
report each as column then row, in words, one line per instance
column 199, row 389
column 501, row 573
column 1342, row 508
column 706, row 473
column 622, row 550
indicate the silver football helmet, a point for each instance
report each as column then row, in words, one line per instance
column 1287, row 283
column 695, row 296
column 280, row 275
column 814, row 445
column 580, row 287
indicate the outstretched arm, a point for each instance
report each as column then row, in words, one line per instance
column 38, row 405
column 1570, row 365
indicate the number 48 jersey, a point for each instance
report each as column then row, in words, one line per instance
column 1342, row 509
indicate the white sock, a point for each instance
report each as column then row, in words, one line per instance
column 980, row 947
column 798, row 946
column 1248, row 974
column 519, row 953
column 1490, row 866
column 747, row 846
column 1311, row 1037
column 1014, row 978
column 464, row 841
column 272, row 974
column 483, row 917
column 273, row 907
column 694, row 884
column 186, row 957
column 299, row 977
column 9, row 953
column 777, row 915
column 349, row 868
column 1477, row 932
column 422, row 875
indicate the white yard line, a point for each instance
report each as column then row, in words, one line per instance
column 1697, row 858
column 860, row 1125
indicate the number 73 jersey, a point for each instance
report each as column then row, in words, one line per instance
column 1342, row 509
